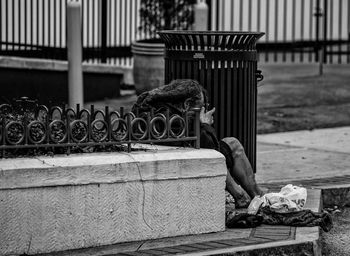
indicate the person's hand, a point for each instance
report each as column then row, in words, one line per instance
column 206, row 117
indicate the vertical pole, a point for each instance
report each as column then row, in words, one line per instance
column 108, row 122
column 348, row 47
column 104, row 17
column 200, row 16
column 210, row 7
column 317, row 15
column 325, row 31
column 311, row 23
column 128, row 120
column 320, row 66
column 267, row 29
column 3, row 137
column 217, row 14
column 284, row 56
column 276, row 29
column 319, row 52
column 197, row 128
column 74, row 46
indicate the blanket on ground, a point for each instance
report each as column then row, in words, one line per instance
column 303, row 218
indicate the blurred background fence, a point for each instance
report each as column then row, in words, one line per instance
column 296, row 30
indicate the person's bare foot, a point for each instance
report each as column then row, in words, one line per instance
column 243, row 201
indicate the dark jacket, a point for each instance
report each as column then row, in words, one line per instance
column 208, row 137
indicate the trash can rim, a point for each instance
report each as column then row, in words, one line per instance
column 209, row 32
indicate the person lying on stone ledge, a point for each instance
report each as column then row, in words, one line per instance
column 183, row 94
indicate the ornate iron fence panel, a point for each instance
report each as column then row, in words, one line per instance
column 26, row 125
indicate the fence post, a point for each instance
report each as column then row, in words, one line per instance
column 74, row 47
column 325, row 21
column 320, row 63
column 103, row 30
column 197, row 128
column 319, row 47
column 209, row 3
column 318, row 15
column 200, row 16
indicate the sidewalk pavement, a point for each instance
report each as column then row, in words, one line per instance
column 316, row 156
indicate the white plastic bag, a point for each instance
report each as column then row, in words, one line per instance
column 254, row 205
column 290, row 198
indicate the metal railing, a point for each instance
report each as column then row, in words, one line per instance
column 37, row 28
column 27, row 125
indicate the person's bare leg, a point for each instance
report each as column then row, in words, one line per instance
column 241, row 169
column 244, row 174
column 241, row 197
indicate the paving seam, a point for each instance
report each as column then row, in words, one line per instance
column 296, row 148
column 327, row 181
column 224, row 243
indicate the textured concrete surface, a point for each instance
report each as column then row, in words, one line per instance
column 263, row 240
column 303, row 155
column 93, row 200
column 329, row 139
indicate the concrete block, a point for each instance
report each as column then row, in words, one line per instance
column 79, row 201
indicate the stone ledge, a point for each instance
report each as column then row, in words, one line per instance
column 81, row 169
column 81, row 201
column 55, row 65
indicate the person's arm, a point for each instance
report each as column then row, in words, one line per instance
column 208, row 134
column 208, row 137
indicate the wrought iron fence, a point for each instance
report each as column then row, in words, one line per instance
column 27, row 125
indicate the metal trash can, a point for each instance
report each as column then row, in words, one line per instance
column 225, row 63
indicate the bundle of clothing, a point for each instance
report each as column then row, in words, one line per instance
column 303, row 218
column 282, row 208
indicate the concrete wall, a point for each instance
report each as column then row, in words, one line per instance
column 67, row 202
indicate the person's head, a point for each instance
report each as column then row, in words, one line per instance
column 179, row 95
column 199, row 100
